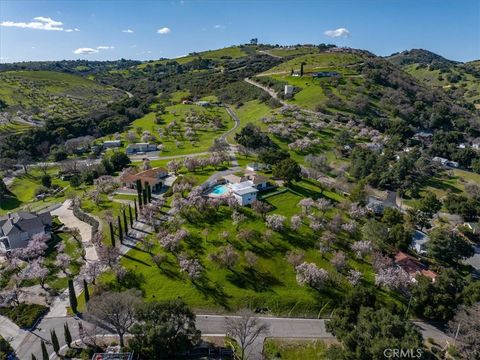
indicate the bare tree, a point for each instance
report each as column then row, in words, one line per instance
column 114, row 309
column 465, row 328
column 246, row 329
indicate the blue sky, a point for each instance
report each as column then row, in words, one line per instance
column 97, row 30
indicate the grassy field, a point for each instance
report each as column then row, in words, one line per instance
column 271, row 283
column 13, row 127
column 467, row 83
column 230, row 52
column 204, row 137
column 44, row 93
column 453, row 181
column 294, row 349
column 23, row 190
column 285, row 52
column 314, row 62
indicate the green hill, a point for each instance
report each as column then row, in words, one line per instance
column 37, row 95
column 232, row 52
column 459, row 80
column 364, row 87
column 316, row 62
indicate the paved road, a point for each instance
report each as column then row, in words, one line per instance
column 278, row 328
column 29, row 342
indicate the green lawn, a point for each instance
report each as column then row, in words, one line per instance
column 271, row 283
column 233, row 52
column 23, row 190
column 56, row 93
column 205, row 134
column 315, row 62
column 294, row 349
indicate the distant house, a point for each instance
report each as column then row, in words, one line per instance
column 326, row 74
column 112, row 144
column 413, row 267
column 377, row 147
column 419, row 241
column 244, row 192
column 476, row 144
column 17, row 229
column 203, row 103
column 187, row 102
column 296, row 73
column 423, row 136
column 255, row 167
column 140, row 148
column 154, row 177
column 445, row 162
column 375, row 205
column 289, row 90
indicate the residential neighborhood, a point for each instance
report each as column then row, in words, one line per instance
column 229, row 181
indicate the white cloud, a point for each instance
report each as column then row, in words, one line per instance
column 128, row 31
column 72, row 30
column 340, row 32
column 218, row 26
column 105, row 47
column 39, row 23
column 85, row 51
column 163, row 30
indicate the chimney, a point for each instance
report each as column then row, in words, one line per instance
column 9, row 215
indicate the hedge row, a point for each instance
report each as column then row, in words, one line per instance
column 24, row 315
column 83, row 216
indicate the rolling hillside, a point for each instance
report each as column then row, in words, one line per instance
column 232, row 52
column 32, row 96
column 361, row 86
column 460, row 80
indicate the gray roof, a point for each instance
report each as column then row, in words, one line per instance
column 246, row 190
column 23, row 221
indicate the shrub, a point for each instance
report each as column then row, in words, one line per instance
column 24, row 315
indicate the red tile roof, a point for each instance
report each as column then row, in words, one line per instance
column 151, row 176
column 412, row 266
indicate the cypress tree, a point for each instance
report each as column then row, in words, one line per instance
column 120, row 231
column 44, row 351
column 125, row 222
column 301, row 69
column 86, row 294
column 149, row 193
column 140, row 193
column 68, row 335
column 112, row 235
column 55, row 343
column 136, row 210
column 145, row 197
column 130, row 215
column 72, row 295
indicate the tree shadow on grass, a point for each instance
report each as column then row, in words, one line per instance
column 253, row 279
column 10, row 203
column 194, row 241
column 442, row 185
column 168, row 269
column 126, row 256
column 298, row 240
column 309, row 193
column 212, row 290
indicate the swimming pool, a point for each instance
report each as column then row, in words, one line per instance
column 219, row 190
